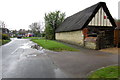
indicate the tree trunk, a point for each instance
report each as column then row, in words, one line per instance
column 53, row 33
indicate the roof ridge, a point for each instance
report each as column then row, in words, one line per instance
column 82, row 18
column 87, row 8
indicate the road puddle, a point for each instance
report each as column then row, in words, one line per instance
column 22, row 57
column 59, row 73
column 25, row 46
column 31, row 49
column 31, row 55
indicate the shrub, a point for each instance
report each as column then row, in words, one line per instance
column 0, row 35
column 5, row 37
column 0, row 42
column 5, row 41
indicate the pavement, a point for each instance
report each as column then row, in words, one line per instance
column 19, row 60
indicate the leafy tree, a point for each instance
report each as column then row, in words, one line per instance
column 52, row 21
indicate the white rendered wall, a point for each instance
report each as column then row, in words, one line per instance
column 99, row 20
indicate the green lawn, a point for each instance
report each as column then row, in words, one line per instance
column 53, row 45
column 107, row 72
column 30, row 37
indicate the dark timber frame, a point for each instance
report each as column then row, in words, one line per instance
column 81, row 20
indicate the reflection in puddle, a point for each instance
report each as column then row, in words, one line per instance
column 31, row 55
column 59, row 73
column 22, row 57
column 28, row 52
column 41, row 51
column 25, row 46
column 12, row 65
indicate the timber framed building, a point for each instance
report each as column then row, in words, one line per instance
column 92, row 28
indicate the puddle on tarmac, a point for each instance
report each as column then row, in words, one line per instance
column 42, row 51
column 37, row 52
column 25, row 46
column 22, row 57
column 12, row 66
column 60, row 74
column 31, row 55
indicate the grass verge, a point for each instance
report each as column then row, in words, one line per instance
column 30, row 37
column 107, row 72
column 53, row 45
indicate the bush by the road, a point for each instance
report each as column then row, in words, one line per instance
column 5, row 41
column 5, row 37
column 0, row 42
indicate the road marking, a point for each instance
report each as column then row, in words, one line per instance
column 14, row 51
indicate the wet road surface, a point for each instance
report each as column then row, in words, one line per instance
column 19, row 60
column 79, row 65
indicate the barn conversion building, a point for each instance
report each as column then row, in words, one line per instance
column 92, row 28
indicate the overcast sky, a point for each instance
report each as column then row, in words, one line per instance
column 19, row 14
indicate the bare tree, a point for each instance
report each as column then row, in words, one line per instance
column 36, row 28
column 2, row 24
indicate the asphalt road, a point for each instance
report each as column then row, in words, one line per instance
column 19, row 60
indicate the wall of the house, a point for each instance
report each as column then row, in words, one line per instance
column 77, row 37
column 100, row 19
column 91, row 45
column 74, row 37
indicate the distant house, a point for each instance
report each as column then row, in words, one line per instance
column 92, row 28
column 4, row 31
column 29, row 35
